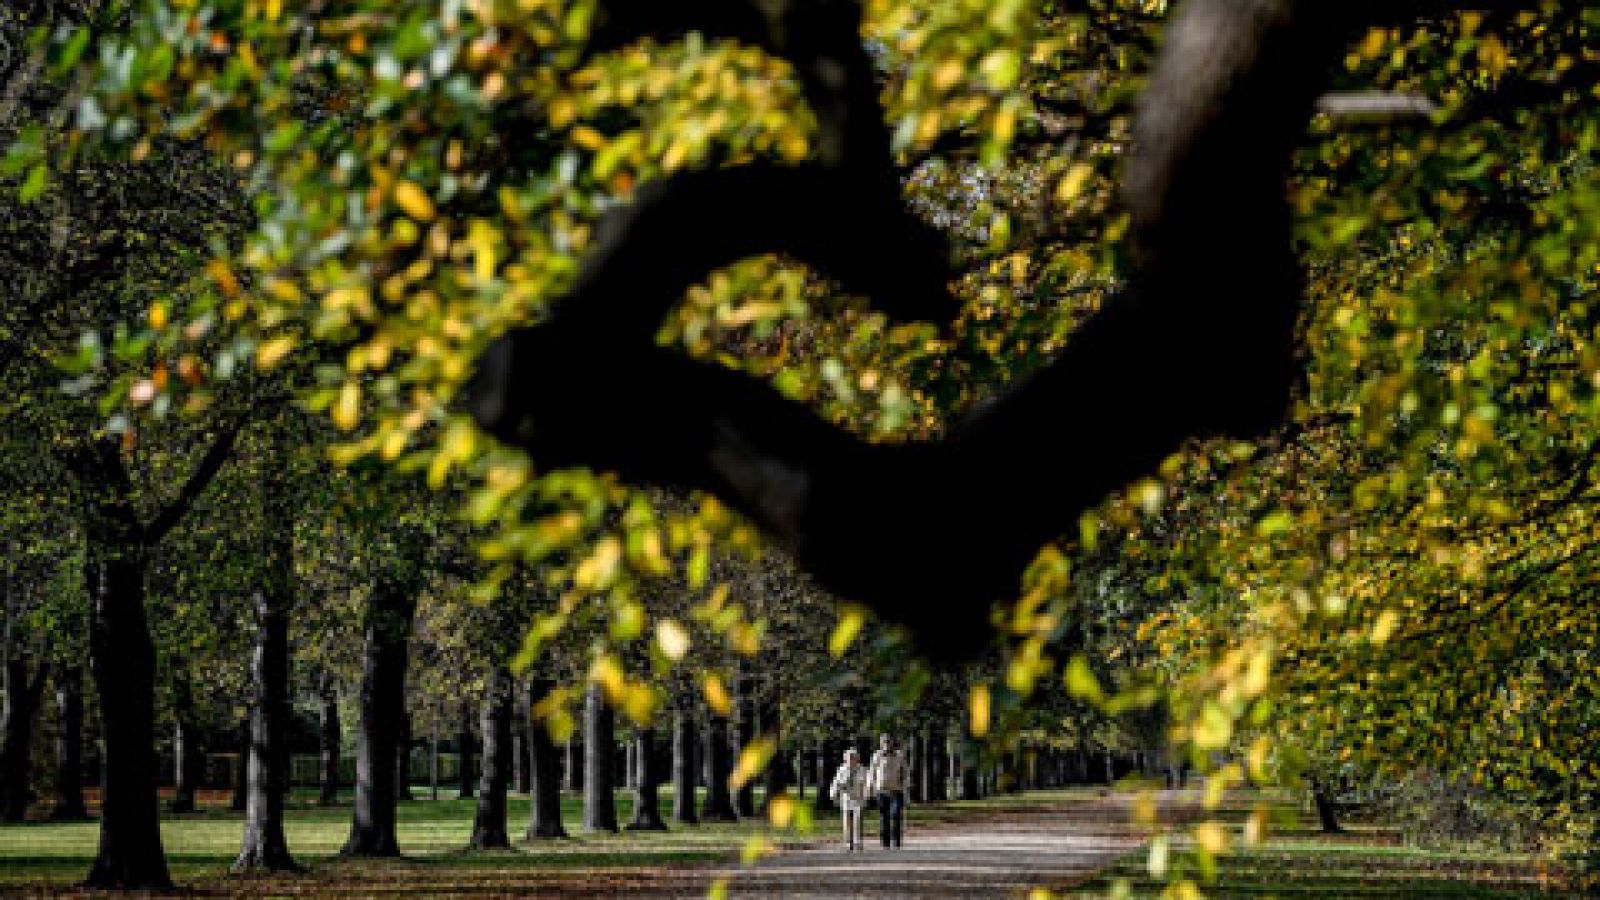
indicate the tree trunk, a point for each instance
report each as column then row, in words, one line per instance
column 646, row 797
column 744, row 799
column 185, row 762
column 329, row 749
column 123, row 659
column 938, row 788
column 545, row 817
column 23, row 696
column 599, row 745
column 970, row 788
column 683, row 761
column 573, row 769
column 776, row 778
column 264, row 848
column 402, row 755
column 489, row 823
column 1327, row 813
column 917, row 757
column 719, row 765
column 383, row 697
column 822, row 802
column 630, row 765
column 69, row 806
column 522, row 776
column 466, row 775
column 241, row 768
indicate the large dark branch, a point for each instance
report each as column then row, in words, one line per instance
column 1201, row 342
column 216, row 455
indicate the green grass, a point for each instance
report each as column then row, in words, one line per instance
column 1368, row 860
column 203, row 844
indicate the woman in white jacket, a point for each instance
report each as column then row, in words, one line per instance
column 849, row 790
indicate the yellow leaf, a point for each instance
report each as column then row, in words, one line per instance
column 672, row 638
column 1384, row 627
column 346, row 411
column 716, row 695
column 978, row 707
column 1072, row 184
column 753, row 758
column 272, row 351
column 409, row 196
column 1212, row 836
column 780, row 812
column 851, row 618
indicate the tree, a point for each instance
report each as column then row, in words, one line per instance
column 599, row 746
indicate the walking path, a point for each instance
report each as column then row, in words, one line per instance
column 1015, row 850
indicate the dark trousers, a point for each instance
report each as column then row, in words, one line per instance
column 891, row 816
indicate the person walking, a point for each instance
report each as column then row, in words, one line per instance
column 849, row 790
column 886, row 777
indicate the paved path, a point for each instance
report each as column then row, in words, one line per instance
column 1006, row 854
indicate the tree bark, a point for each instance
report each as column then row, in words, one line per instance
column 545, row 817
column 719, row 765
column 264, row 847
column 744, row 709
column 130, row 856
column 683, row 761
column 938, row 788
column 328, row 735
column 1224, row 109
column 24, row 693
column 372, row 826
column 465, row 776
column 822, row 802
column 917, row 751
column 489, row 823
column 599, row 745
column 572, row 770
column 1327, row 812
column 646, row 796
column 241, row 768
column 402, row 756
column 521, row 752
column 185, row 762
column 768, row 718
column 69, row 805
column 970, row 788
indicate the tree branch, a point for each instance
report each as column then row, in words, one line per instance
column 930, row 534
column 220, row 450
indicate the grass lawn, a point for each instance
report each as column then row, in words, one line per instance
column 41, row 857
column 1369, row 860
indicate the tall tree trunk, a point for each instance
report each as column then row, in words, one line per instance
column 572, row 770
column 599, row 745
column 938, row 787
column 744, row 708
column 917, row 751
column 489, row 823
column 545, row 817
column 23, row 696
column 521, row 752
column 970, row 788
column 185, row 740
column 466, row 774
column 683, row 761
column 646, row 797
column 383, row 703
column 1327, row 812
column 69, row 805
column 822, row 802
column 185, row 765
column 264, row 847
column 241, row 768
column 402, row 756
column 123, row 659
column 719, row 765
column 328, row 735
column 776, row 778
